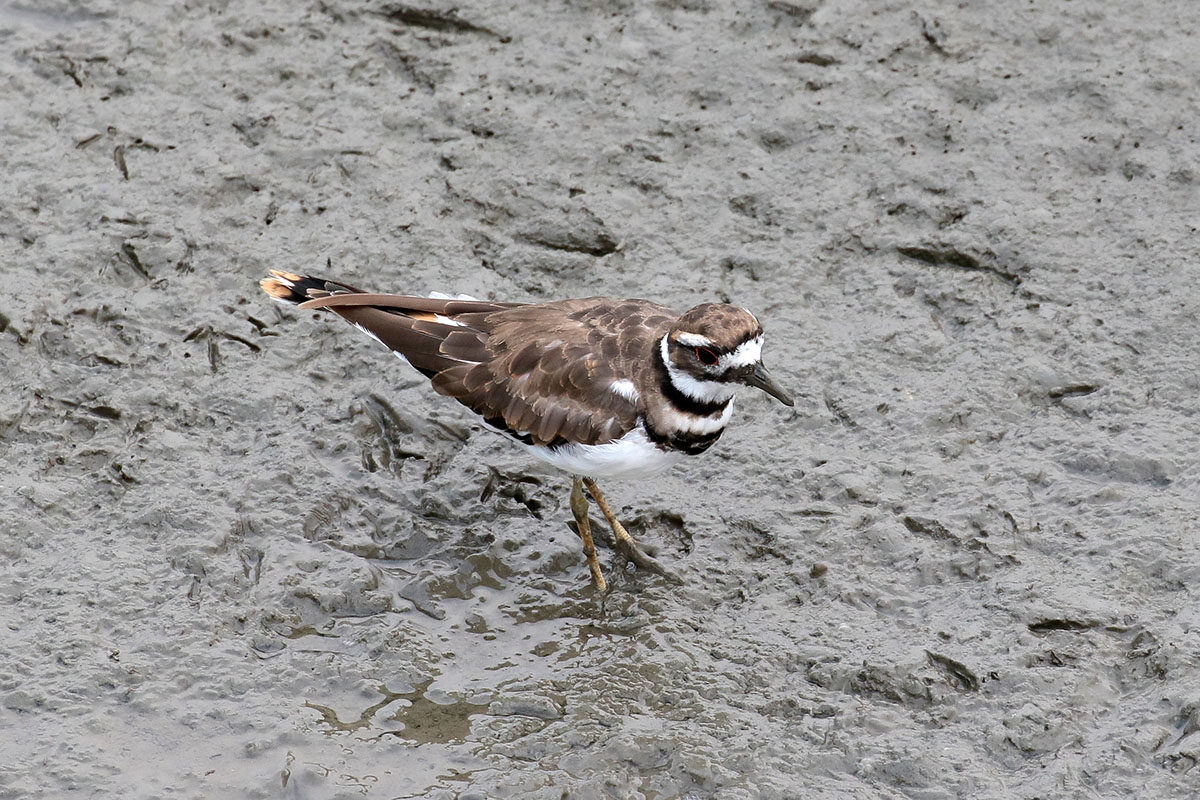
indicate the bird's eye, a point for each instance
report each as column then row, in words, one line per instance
column 706, row 357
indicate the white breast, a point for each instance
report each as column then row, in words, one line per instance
column 680, row 422
column 631, row 456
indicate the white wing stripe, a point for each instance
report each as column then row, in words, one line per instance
column 623, row 387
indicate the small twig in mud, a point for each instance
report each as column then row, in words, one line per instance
column 957, row 259
column 119, row 160
column 1072, row 390
column 958, row 671
column 444, row 21
column 211, row 335
column 1072, row 625
column 131, row 257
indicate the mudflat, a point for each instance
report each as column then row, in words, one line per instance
column 247, row 553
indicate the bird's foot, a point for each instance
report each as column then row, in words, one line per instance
column 625, row 544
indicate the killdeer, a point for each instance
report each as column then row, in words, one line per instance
column 598, row 387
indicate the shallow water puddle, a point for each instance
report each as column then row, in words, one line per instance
column 425, row 716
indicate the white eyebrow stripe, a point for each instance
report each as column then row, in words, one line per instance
column 693, row 340
column 623, row 387
column 747, row 353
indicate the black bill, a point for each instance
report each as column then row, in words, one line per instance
column 761, row 379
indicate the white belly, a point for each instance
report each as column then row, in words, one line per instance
column 631, row 456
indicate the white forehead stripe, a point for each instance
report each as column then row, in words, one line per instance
column 623, row 387
column 747, row 353
column 693, row 340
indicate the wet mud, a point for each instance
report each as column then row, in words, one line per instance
column 248, row 553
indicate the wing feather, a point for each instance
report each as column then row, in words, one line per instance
column 405, row 303
column 465, row 344
column 543, row 371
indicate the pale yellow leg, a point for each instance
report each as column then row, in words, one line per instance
column 579, row 507
column 624, row 542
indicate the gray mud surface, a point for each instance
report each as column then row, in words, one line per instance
column 249, row 554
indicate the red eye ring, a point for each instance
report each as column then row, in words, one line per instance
column 706, row 357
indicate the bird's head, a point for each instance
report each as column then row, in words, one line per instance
column 712, row 348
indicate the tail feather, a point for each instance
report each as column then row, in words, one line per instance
column 287, row 287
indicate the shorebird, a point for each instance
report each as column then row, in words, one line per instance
column 599, row 387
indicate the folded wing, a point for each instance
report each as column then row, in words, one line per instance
column 530, row 371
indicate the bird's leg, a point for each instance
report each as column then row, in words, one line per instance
column 579, row 507
column 625, row 543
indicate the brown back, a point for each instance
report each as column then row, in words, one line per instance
column 541, row 372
